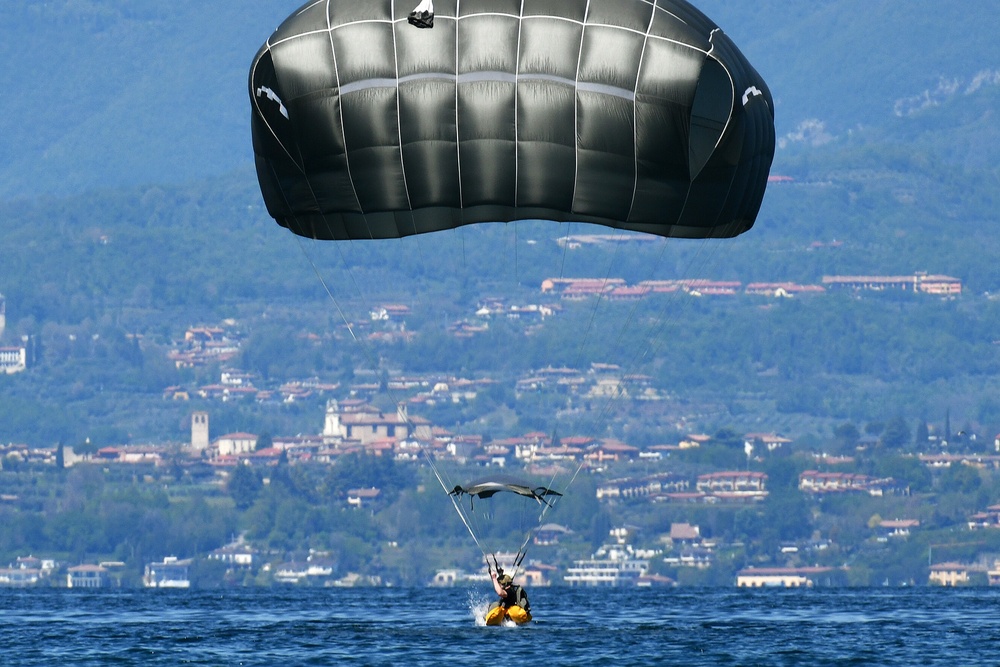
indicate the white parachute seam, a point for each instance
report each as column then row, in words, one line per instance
column 659, row 38
column 732, row 85
column 458, row 141
column 399, row 119
column 340, row 111
column 260, row 114
column 517, row 91
column 576, row 111
column 635, row 117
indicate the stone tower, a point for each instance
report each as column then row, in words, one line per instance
column 199, row 431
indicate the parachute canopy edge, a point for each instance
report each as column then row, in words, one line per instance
column 646, row 118
column 488, row 487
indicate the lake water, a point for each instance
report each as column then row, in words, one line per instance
column 292, row 626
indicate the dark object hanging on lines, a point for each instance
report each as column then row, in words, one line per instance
column 636, row 115
column 489, row 486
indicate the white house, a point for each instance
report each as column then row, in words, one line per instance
column 235, row 443
column 13, row 360
column 170, row 573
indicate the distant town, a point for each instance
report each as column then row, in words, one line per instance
column 627, row 478
column 219, row 344
column 355, row 427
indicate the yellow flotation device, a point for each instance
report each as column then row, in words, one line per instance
column 497, row 614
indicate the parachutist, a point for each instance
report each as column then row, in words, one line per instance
column 513, row 602
column 423, row 15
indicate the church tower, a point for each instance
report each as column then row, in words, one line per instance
column 199, row 431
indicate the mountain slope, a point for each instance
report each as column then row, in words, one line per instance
column 112, row 93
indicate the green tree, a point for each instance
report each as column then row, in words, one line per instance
column 847, row 436
column 896, row 433
column 959, row 479
column 600, row 528
column 243, row 486
column 904, row 469
column 264, row 441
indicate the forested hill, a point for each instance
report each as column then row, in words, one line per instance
column 107, row 93
column 130, row 211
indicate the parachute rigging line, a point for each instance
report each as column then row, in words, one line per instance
column 486, row 490
column 458, row 509
column 372, row 359
column 365, row 347
column 428, row 456
column 665, row 316
column 309, row 165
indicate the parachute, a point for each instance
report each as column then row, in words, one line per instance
column 488, row 487
column 637, row 115
column 632, row 114
column 502, row 512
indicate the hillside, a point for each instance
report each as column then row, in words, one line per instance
column 154, row 261
column 131, row 212
column 108, row 94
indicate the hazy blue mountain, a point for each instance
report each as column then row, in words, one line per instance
column 106, row 93
column 851, row 63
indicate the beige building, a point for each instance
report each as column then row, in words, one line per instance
column 781, row 577
column 733, row 485
column 235, row 443
column 86, row 576
column 199, row 431
column 949, row 574
column 366, row 424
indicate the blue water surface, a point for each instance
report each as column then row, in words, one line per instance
column 339, row 626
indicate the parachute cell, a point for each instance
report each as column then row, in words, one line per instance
column 632, row 114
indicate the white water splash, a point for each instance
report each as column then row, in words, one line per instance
column 479, row 604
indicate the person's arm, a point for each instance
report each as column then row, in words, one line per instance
column 496, row 584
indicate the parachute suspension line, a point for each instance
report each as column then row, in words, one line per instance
column 371, row 357
column 517, row 268
column 465, row 257
column 565, row 250
column 660, row 321
column 329, row 292
column 454, row 500
column 666, row 315
column 600, row 298
column 366, row 348
column 319, row 275
column 546, row 506
column 629, row 368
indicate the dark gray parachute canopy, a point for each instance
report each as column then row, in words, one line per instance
column 634, row 114
column 490, row 486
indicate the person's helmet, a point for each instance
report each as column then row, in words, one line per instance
column 505, row 580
